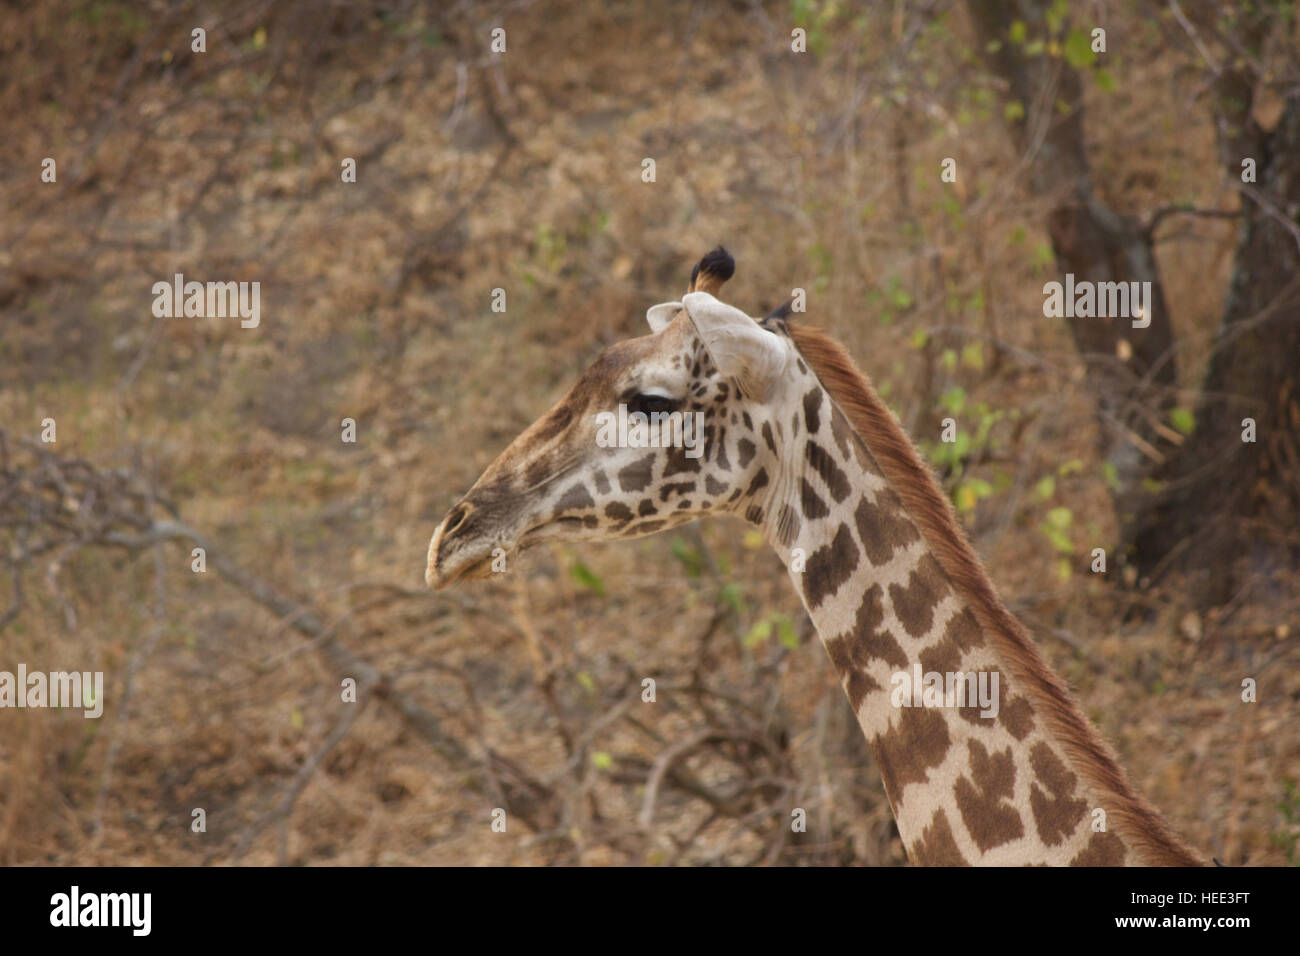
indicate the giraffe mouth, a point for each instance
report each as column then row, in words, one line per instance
column 475, row 570
column 490, row 563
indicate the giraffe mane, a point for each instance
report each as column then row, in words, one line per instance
column 1138, row 823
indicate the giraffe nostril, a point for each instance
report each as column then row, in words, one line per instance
column 456, row 518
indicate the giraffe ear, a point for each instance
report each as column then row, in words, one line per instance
column 660, row 315
column 743, row 350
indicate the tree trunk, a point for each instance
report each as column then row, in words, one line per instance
column 1230, row 513
column 1131, row 371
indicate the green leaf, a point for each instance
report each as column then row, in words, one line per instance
column 1183, row 420
column 1017, row 32
column 1061, row 518
column 785, row 632
column 919, row 339
column 587, row 578
column 1045, row 488
column 758, row 633
column 1110, row 474
column 1078, row 49
column 689, row 558
column 969, row 492
column 1060, row 540
column 732, row 595
column 1105, row 80
column 588, row 684
column 601, row 759
column 1015, row 110
column 972, row 356
column 1056, row 14
column 953, row 400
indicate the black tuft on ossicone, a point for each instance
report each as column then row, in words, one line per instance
column 718, row 263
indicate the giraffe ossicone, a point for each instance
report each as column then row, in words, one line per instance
column 797, row 442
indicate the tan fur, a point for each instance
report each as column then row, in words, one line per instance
column 1137, row 823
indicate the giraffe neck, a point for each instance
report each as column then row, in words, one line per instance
column 984, row 783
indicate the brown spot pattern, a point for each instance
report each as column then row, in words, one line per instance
column 914, row 605
column 854, row 650
column 675, row 488
column 843, row 433
column 813, row 506
column 637, row 476
column 829, row 567
column 908, row 749
column 618, row 511
column 876, row 641
column 575, row 499
column 883, row 526
column 857, row 683
column 1018, row 717
column 677, row 461
column 837, row 483
column 964, row 630
column 1103, row 849
column 812, row 403
column 937, row 846
column 990, row 819
column 1057, row 816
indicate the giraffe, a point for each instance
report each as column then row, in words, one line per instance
column 797, row 442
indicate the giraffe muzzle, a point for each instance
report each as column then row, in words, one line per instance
column 463, row 547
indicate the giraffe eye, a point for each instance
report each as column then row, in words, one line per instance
column 652, row 404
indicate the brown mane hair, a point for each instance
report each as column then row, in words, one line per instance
column 1139, row 825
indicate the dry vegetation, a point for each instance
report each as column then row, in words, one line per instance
column 522, row 171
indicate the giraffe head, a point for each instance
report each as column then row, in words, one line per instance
column 659, row 431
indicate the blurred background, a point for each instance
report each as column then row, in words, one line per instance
column 808, row 137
